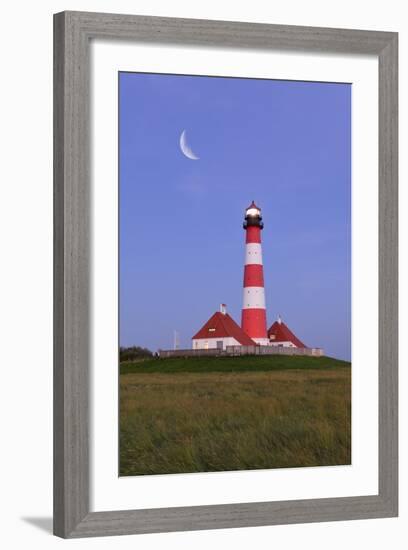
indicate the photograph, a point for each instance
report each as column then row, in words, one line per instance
column 235, row 251
column 201, row 261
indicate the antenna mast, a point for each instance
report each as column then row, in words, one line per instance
column 176, row 341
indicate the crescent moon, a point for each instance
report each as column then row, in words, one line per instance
column 185, row 148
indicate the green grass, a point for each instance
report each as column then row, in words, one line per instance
column 219, row 414
column 230, row 364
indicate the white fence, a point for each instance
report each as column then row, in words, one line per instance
column 241, row 350
column 272, row 350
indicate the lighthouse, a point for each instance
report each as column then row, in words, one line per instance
column 253, row 321
column 221, row 335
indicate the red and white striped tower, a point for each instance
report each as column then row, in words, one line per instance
column 253, row 307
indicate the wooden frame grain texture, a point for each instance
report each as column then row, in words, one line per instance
column 72, row 34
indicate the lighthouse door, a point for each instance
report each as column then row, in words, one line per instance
column 219, row 344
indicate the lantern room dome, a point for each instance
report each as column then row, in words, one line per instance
column 253, row 210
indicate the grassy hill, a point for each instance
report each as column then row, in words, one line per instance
column 183, row 415
column 231, row 364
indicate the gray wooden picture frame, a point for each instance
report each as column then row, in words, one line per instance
column 72, row 34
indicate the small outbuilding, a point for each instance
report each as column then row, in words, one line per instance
column 280, row 335
column 221, row 331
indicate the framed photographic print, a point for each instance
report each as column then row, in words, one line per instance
column 225, row 274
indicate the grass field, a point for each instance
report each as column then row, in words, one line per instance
column 215, row 414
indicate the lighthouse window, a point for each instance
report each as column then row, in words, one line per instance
column 211, row 330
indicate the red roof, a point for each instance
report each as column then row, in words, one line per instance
column 253, row 205
column 222, row 325
column 283, row 334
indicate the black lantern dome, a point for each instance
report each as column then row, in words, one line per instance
column 253, row 216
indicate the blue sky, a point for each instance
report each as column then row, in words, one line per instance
column 285, row 144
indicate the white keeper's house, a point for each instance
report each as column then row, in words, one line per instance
column 280, row 335
column 221, row 331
